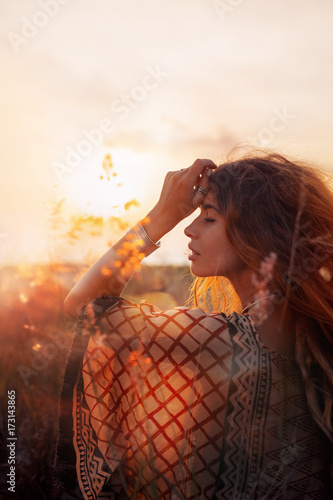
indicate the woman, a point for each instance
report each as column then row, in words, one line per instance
column 192, row 404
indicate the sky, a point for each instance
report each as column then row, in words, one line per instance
column 155, row 84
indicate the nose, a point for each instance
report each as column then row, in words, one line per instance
column 189, row 231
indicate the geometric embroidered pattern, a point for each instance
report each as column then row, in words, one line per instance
column 184, row 404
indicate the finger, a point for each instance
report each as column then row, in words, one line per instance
column 199, row 196
column 198, row 168
column 204, row 179
column 202, row 188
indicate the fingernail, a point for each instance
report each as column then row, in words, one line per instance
column 209, row 173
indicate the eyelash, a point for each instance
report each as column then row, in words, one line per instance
column 209, row 220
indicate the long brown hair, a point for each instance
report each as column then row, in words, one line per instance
column 272, row 204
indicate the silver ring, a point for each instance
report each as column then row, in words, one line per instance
column 201, row 190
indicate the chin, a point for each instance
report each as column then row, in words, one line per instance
column 199, row 273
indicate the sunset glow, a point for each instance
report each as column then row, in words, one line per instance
column 93, row 191
column 100, row 333
column 155, row 96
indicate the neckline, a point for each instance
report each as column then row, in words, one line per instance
column 249, row 306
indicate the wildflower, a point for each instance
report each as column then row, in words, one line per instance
column 266, row 271
column 90, row 323
column 35, row 282
column 131, row 203
column 23, row 298
column 127, row 245
column 145, row 220
column 325, row 273
column 134, row 357
column 106, row 271
column 100, row 339
column 138, row 365
column 259, row 308
column 90, row 312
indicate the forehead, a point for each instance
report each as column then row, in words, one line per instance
column 210, row 199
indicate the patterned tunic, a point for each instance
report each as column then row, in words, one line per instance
column 184, row 404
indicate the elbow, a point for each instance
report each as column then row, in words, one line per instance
column 71, row 306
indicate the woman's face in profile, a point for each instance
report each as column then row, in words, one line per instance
column 211, row 251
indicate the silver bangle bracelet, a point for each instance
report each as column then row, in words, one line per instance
column 140, row 240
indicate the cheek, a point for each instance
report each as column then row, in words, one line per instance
column 227, row 259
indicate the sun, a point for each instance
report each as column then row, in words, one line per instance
column 104, row 192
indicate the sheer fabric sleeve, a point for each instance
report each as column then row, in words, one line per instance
column 150, row 382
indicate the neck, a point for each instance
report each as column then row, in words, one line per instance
column 244, row 287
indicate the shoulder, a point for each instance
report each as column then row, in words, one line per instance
column 176, row 321
column 115, row 313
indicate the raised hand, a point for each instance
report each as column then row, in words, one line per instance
column 182, row 192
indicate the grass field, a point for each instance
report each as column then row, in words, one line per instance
column 35, row 337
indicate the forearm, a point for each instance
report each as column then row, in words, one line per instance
column 106, row 277
column 111, row 272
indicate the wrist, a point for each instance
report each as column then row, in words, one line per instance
column 157, row 224
column 140, row 241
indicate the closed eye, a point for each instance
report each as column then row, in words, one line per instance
column 209, row 220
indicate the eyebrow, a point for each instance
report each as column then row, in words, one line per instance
column 205, row 206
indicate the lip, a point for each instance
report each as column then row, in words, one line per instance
column 194, row 255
